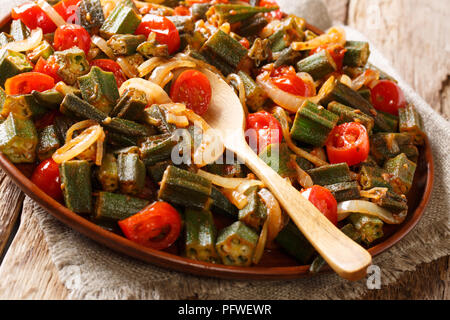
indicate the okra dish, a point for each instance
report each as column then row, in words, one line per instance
column 105, row 100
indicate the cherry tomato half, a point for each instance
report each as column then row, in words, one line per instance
column 348, row 142
column 287, row 80
column 25, row 83
column 156, row 226
column 46, row 177
column 388, row 97
column 193, row 89
column 33, row 17
column 49, row 67
column 266, row 127
column 111, row 66
column 182, row 11
column 323, row 200
column 165, row 30
column 72, row 35
column 336, row 51
column 276, row 14
column 67, row 9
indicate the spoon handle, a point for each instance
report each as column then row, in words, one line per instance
column 345, row 257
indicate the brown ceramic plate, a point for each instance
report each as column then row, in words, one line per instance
column 274, row 265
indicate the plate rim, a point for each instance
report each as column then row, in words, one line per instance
column 185, row 265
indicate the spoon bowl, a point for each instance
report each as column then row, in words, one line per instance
column 226, row 116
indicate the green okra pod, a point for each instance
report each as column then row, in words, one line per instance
column 76, row 185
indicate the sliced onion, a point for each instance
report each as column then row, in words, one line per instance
column 261, row 244
column 241, row 89
column 229, row 183
column 153, row 92
column 211, row 147
column 345, row 79
column 161, row 72
column 147, row 66
column 298, row 151
column 51, row 12
column 335, row 35
column 129, row 70
column 29, row 43
column 78, row 126
column 101, row 43
column 78, row 145
column 346, row 208
column 275, row 218
column 179, row 121
column 367, row 78
column 201, row 64
column 303, row 178
column 99, row 154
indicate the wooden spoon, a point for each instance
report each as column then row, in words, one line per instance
column 226, row 116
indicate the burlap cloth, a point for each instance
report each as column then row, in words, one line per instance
column 92, row 271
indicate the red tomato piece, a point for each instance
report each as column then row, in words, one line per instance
column 337, row 52
column 266, row 128
column 33, row 17
column 277, row 14
column 193, row 89
column 245, row 43
column 67, row 9
column 182, row 11
column 156, row 226
column 387, row 96
column 46, row 177
column 287, row 80
column 25, row 83
column 165, row 30
column 72, row 35
column 46, row 120
column 111, row 66
column 323, row 200
column 49, row 67
column 348, row 142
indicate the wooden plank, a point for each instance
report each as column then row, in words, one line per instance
column 338, row 10
column 27, row 271
column 10, row 204
column 413, row 35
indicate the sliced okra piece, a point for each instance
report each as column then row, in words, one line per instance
column 76, row 185
column 347, row 96
column 158, row 117
column 108, row 174
column 391, row 201
column 317, row 65
column 254, row 94
column 254, row 214
column 75, row 106
column 124, row 19
column 151, row 48
column 185, row 188
column 233, row 13
column 365, row 93
column 156, row 149
column 50, row 99
column 5, row 39
column 184, row 24
column 287, row 57
column 120, row 140
column 125, row 44
column 48, row 142
column 411, row 122
column 347, row 114
column 99, row 88
column 44, row 50
column 390, row 120
column 222, row 205
column 253, row 25
column 198, row 10
column 128, row 127
column 295, row 244
column 19, row 31
column 200, row 235
column 384, row 146
column 373, row 177
column 23, row 106
column 156, row 171
column 18, row 139
column 115, row 207
column 313, row 124
column 304, row 164
column 330, row 174
column 72, row 64
column 131, row 105
column 370, row 227
column 234, row 170
column 401, row 171
column 131, row 172
column 278, row 157
column 357, row 53
column 12, row 63
column 344, row 191
column 236, row 244
column 91, row 15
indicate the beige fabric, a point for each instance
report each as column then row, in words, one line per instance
column 91, row 271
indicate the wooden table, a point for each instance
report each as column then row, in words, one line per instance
column 413, row 34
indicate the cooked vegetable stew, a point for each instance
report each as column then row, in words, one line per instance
column 106, row 99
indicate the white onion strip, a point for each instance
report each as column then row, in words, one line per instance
column 51, row 12
column 78, row 145
column 153, row 92
column 229, row 183
column 241, row 89
column 149, row 65
column 346, row 208
column 101, row 43
column 274, row 214
column 29, row 43
column 129, row 70
column 261, row 244
column 78, row 126
column 160, row 73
